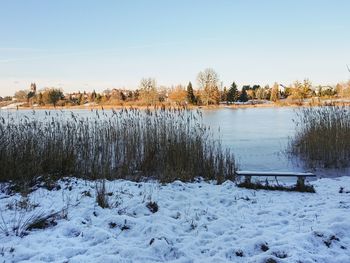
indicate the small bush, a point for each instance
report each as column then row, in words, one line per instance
column 101, row 195
column 342, row 191
column 280, row 254
column 264, row 247
column 239, row 253
column 112, row 225
column 152, row 206
column 42, row 223
column 24, row 221
column 329, row 241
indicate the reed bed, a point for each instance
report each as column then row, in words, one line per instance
column 322, row 138
column 161, row 144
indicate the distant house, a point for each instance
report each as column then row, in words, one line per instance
column 281, row 88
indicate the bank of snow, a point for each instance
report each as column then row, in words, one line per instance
column 196, row 222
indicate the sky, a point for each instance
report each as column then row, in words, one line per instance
column 86, row 45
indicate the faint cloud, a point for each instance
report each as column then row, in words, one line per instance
column 16, row 49
column 99, row 51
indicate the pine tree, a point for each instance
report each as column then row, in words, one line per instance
column 41, row 102
column 190, row 95
column 232, row 94
column 243, row 97
column 122, row 96
column 54, row 95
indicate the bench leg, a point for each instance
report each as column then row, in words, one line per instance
column 301, row 182
column 277, row 180
column 247, row 179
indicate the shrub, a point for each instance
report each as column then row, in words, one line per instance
column 24, row 220
column 152, row 206
column 101, row 195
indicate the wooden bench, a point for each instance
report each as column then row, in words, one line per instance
column 301, row 176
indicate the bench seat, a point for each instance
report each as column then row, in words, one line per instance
column 286, row 174
column 248, row 175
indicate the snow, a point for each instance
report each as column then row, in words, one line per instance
column 12, row 106
column 286, row 174
column 196, row 222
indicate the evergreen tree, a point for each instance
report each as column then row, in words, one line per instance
column 255, row 87
column 232, row 94
column 122, row 96
column 52, row 96
column 30, row 95
column 190, row 94
column 93, row 96
column 243, row 97
column 41, row 102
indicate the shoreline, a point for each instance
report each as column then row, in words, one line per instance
column 210, row 107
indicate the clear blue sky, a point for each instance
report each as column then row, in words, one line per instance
column 85, row 45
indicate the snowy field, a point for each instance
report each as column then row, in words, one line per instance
column 195, row 222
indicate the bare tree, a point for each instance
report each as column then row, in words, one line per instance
column 274, row 93
column 21, row 95
column 148, row 91
column 208, row 81
column 178, row 95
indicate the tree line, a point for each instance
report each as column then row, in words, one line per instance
column 209, row 92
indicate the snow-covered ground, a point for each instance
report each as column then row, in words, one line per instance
column 12, row 106
column 195, row 222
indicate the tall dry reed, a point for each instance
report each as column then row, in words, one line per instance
column 132, row 144
column 322, row 137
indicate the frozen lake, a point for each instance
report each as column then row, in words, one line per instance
column 257, row 136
